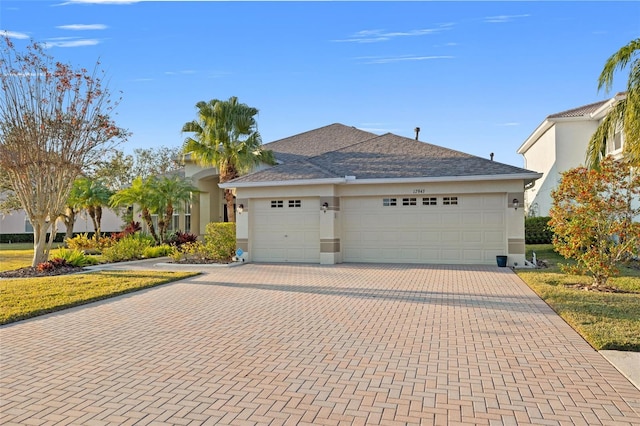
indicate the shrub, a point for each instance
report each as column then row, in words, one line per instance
column 157, row 251
column 179, row 238
column 218, row 246
column 131, row 228
column 52, row 264
column 89, row 244
column 130, row 247
column 220, row 240
column 537, row 231
column 74, row 257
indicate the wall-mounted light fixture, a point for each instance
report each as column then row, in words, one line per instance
column 240, row 208
column 325, row 206
column 516, row 203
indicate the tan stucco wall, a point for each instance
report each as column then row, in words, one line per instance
column 330, row 221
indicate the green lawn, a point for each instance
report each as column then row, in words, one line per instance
column 22, row 298
column 605, row 320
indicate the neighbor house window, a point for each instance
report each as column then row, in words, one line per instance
column 614, row 145
column 389, row 202
column 277, row 204
column 295, row 203
column 409, row 202
column 175, row 223
column 28, row 227
column 429, row 201
column 450, row 201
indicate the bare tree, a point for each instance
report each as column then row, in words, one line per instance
column 54, row 121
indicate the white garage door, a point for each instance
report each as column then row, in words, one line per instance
column 285, row 230
column 467, row 229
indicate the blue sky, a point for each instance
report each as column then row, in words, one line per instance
column 474, row 76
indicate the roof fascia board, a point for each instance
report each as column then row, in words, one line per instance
column 330, row 181
column 339, row 181
column 537, row 133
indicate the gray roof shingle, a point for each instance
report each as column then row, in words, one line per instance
column 378, row 157
column 316, row 142
column 581, row 111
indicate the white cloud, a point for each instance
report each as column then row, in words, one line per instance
column 509, row 124
column 404, row 58
column 13, row 34
column 183, row 72
column 70, row 43
column 374, row 36
column 499, row 19
column 82, row 27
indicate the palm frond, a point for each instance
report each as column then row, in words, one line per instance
column 617, row 61
column 597, row 148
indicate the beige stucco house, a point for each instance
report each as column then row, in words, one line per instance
column 17, row 222
column 560, row 143
column 340, row 194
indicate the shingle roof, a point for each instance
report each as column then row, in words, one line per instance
column 581, row 111
column 316, row 142
column 383, row 157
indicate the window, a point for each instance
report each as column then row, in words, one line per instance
column 450, row 201
column 277, row 204
column 28, row 227
column 408, row 201
column 187, row 216
column 295, row 203
column 389, row 202
column 615, row 145
column 429, row 201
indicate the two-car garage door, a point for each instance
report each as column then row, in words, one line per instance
column 466, row 229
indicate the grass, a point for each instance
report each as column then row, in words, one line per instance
column 17, row 255
column 22, row 298
column 605, row 320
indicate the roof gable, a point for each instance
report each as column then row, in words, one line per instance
column 315, row 142
column 581, row 111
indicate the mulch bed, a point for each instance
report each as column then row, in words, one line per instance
column 31, row 272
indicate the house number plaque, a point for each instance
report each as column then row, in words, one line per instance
column 419, row 191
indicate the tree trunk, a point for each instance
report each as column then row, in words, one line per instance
column 149, row 221
column 69, row 220
column 42, row 247
column 98, row 221
column 96, row 227
column 231, row 212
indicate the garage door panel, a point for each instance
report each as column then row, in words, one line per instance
column 285, row 234
column 470, row 232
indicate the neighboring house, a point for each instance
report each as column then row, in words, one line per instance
column 17, row 223
column 560, row 143
column 340, row 194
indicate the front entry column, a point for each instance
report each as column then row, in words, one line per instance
column 330, row 252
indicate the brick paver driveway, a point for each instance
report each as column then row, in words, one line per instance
column 280, row 344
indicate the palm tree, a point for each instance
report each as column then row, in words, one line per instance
column 625, row 113
column 142, row 194
column 170, row 194
column 225, row 135
column 92, row 194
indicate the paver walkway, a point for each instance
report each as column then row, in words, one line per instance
column 295, row 344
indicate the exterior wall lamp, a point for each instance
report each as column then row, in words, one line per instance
column 325, row 206
column 240, row 208
column 516, row 203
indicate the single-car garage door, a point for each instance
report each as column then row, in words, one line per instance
column 467, row 228
column 285, row 230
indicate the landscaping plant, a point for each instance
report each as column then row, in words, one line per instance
column 592, row 218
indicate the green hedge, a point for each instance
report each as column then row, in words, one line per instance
column 536, row 230
column 28, row 237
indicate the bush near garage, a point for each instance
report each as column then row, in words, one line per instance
column 537, row 231
column 219, row 245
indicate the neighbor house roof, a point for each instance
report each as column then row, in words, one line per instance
column 581, row 111
column 380, row 157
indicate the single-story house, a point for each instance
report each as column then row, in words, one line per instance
column 340, row 194
column 560, row 143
